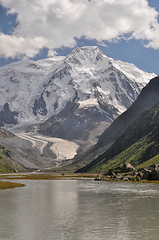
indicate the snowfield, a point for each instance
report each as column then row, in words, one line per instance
column 63, row 149
column 75, row 97
column 37, row 90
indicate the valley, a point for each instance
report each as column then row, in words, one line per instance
column 79, row 120
column 67, row 111
column 133, row 136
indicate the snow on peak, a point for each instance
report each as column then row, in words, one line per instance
column 40, row 89
column 86, row 55
column 90, row 102
column 133, row 72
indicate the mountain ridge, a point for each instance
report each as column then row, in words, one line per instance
column 74, row 97
column 34, row 89
column 138, row 143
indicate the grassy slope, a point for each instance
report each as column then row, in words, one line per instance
column 138, row 145
column 6, row 164
column 148, row 97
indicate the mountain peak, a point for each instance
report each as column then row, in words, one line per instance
column 38, row 90
column 87, row 49
column 91, row 54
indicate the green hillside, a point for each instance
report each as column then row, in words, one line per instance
column 148, row 97
column 138, row 145
column 6, row 163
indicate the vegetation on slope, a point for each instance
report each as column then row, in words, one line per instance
column 148, row 97
column 6, row 163
column 138, row 145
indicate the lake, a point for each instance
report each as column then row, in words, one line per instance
column 79, row 210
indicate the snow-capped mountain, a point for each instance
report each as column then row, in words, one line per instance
column 85, row 87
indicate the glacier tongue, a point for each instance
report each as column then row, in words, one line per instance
column 37, row 90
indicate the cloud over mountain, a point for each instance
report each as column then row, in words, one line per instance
column 57, row 23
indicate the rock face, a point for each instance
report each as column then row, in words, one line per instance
column 7, row 163
column 148, row 97
column 154, row 175
column 146, row 173
column 93, row 84
column 74, row 97
column 154, row 167
column 128, row 173
column 127, row 167
column 7, row 116
column 133, row 136
column 96, row 90
column 152, row 172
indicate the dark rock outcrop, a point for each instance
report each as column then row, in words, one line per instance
column 127, row 129
column 154, row 175
column 40, row 107
column 127, row 167
column 7, row 116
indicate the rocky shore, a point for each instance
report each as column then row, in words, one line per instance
column 128, row 173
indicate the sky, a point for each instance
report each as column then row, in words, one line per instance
column 126, row 30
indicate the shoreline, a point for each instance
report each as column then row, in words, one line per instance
column 65, row 176
column 47, row 176
column 8, row 185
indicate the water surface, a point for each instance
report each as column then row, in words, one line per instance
column 79, row 210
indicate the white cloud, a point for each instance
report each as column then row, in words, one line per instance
column 12, row 46
column 56, row 23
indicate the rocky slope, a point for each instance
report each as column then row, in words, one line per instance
column 34, row 91
column 74, row 97
column 101, row 89
column 148, row 97
column 7, row 164
column 139, row 144
column 35, row 152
